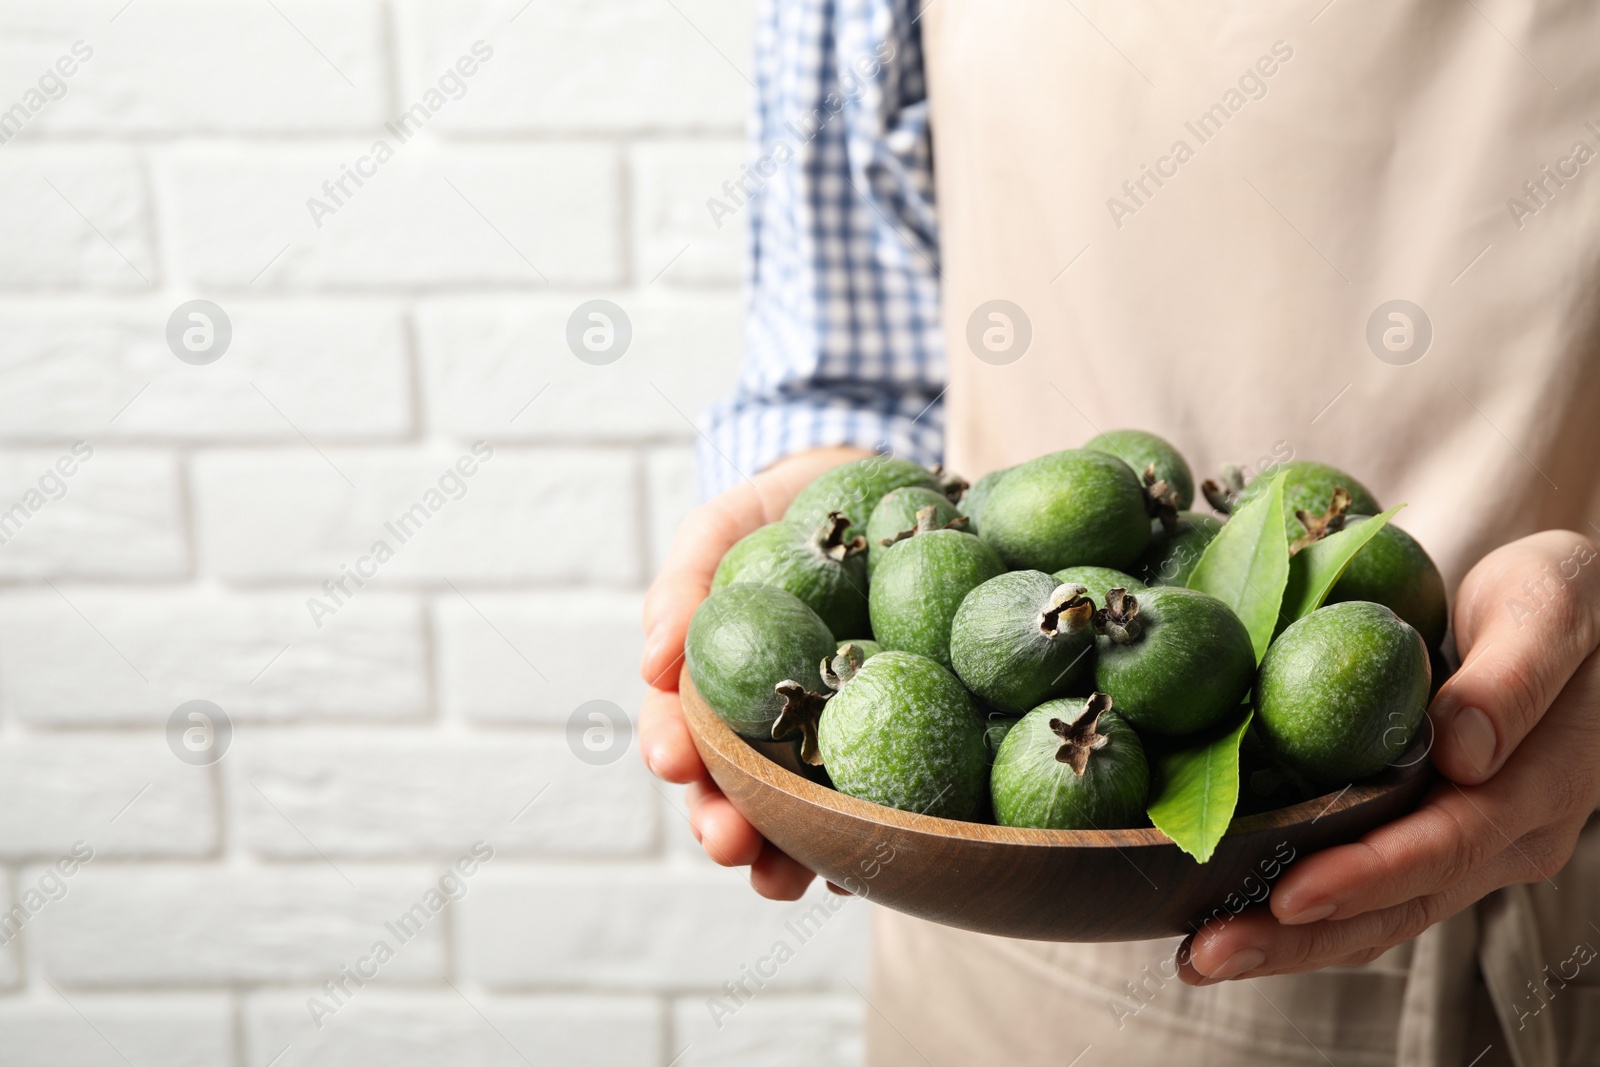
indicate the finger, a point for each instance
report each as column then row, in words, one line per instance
column 1254, row 944
column 726, row 835
column 664, row 739
column 1551, row 777
column 1526, row 617
column 777, row 876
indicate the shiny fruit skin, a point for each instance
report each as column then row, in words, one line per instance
column 897, row 512
column 742, row 641
column 1140, row 449
column 1189, row 669
column 1067, row 509
column 1001, row 654
column 919, row 586
column 1342, row 691
column 787, row 556
column 855, row 489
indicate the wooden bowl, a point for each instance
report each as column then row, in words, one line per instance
column 1042, row 885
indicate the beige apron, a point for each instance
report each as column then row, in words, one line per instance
column 1201, row 214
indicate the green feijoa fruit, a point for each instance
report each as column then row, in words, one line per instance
column 973, row 501
column 1170, row 557
column 1071, row 764
column 819, row 566
column 868, row 647
column 855, row 488
column 1097, row 580
column 1144, row 451
column 1341, row 692
column 1394, row 570
column 995, row 727
column 1021, row 638
column 896, row 515
column 1176, row 661
column 902, row 732
column 1065, row 509
column 743, row 641
column 1309, row 487
column 919, row 586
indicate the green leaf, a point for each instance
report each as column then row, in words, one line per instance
column 1199, row 790
column 1314, row 569
column 1246, row 565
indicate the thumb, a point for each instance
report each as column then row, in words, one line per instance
column 1526, row 617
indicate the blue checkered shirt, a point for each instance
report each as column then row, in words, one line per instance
column 842, row 336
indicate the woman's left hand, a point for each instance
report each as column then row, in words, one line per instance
column 1517, row 733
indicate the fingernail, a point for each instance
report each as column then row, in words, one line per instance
column 650, row 760
column 1315, row 913
column 1186, row 951
column 1475, row 738
column 652, row 644
column 1246, row 959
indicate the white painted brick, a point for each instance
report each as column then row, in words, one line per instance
column 650, row 927
column 399, row 794
column 229, row 648
column 536, row 657
column 199, row 67
column 572, row 65
column 116, row 1030
column 327, row 372
column 192, row 925
column 772, row 1031
column 672, row 182
column 673, row 482
column 56, row 199
column 425, row 1029
column 485, row 359
column 116, row 515
column 11, row 951
column 548, row 515
column 517, row 216
column 122, row 795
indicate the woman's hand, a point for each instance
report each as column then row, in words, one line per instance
column 685, row 579
column 1518, row 740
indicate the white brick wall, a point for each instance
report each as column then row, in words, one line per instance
column 376, row 739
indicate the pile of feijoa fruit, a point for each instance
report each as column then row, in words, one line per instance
column 1062, row 643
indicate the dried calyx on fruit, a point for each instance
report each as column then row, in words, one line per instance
column 952, row 485
column 1070, row 764
column 1081, row 737
column 1119, row 619
column 1320, row 526
column 1160, row 499
column 802, row 708
column 1021, row 638
column 927, row 522
column 824, row 566
column 1223, row 493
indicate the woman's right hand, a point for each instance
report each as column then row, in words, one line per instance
column 685, row 579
